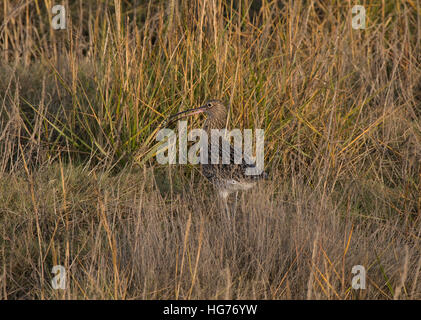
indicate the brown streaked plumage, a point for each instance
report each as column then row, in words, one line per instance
column 227, row 178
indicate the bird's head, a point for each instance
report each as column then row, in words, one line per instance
column 215, row 109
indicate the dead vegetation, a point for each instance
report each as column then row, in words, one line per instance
column 79, row 185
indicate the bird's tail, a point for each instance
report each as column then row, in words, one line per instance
column 262, row 176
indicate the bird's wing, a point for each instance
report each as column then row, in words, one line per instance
column 231, row 170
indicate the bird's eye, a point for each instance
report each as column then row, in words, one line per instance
column 233, row 182
column 209, row 104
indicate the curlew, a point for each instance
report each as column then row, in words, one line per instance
column 226, row 178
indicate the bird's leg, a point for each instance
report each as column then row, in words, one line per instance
column 235, row 206
column 227, row 208
column 224, row 196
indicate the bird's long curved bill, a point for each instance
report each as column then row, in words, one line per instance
column 186, row 113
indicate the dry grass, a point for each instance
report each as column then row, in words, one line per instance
column 79, row 110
